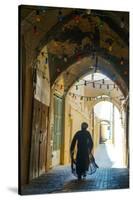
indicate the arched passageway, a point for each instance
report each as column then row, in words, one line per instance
column 80, row 104
column 56, row 59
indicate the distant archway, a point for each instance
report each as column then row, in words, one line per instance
column 111, row 131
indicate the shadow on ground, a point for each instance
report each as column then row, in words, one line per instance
column 13, row 189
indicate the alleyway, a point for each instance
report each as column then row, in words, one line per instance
column 74, row 68
column 60, row 178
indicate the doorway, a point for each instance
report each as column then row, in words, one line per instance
column 57, row 131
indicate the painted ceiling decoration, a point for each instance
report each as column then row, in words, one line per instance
column 99, row 38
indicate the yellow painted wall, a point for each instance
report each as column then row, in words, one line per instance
column 75, row 114
column 96, row 136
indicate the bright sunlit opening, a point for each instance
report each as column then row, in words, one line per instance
column 95, row 76
column 110, row 153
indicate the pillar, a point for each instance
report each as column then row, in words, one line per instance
column 113, row 125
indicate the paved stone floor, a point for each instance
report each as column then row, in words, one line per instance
column 61, row 180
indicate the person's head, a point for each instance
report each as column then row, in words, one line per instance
column 84, row 126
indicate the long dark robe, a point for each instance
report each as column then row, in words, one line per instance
column 84, row 146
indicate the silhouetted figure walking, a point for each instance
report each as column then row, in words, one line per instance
column 84, row 147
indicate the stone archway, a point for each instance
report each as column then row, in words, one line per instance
column 68, row 115
column 84, row 66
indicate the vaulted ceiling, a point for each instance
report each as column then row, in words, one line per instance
column 78, row 39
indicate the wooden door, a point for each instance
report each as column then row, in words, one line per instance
column 38, row 140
